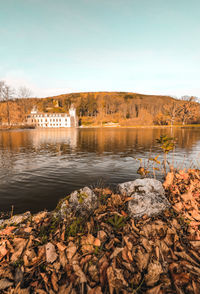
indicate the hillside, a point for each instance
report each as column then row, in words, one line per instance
column 101, row 108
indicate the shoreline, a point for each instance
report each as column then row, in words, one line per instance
column 105, row 127
column 72, row 250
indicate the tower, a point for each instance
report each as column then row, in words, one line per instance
column 73, row 117
column 72, row 111
column 34, row 110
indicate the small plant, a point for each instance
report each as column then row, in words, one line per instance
column 75, row 227
column 117, row 222
column 81, row 197
column 167, row 144
column 154, row 161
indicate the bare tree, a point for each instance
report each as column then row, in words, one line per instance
column 189, row 98
column 24, row 92
column 188, row 110
column 6, row 94
column 172, row 111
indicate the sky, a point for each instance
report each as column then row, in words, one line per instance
column 63, row 46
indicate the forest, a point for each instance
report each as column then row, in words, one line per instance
column 101, row 108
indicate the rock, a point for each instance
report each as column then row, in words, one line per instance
column 17, row 219
column 148, row 197
column 83, row 201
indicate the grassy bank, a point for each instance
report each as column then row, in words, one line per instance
column 107, row 252
column 142, row 126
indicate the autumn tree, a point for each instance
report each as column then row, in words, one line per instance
column 188, row 110
column 171, row 111
column 6, row 94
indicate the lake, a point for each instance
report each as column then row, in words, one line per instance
column 39, row 167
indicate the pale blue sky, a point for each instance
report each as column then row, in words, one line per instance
column 146, row 46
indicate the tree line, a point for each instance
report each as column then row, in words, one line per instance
column 99, row 108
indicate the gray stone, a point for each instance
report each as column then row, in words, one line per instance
column 17, row 219
column 148, row 197
column 2, row 221
column 83, row 201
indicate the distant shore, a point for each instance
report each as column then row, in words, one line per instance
column 22, row 127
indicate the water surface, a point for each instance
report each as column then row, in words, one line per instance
column 39, row 167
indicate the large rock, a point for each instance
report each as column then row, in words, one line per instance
column 83, row 202
column 148, row 197
column 16, row 219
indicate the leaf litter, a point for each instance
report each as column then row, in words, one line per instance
column 108, row 252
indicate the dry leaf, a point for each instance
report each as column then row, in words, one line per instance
column 54, row 281
column 4, row 284
column 51, row 254
column 155, row 290
column 153, row 273
column 115, row 279
column 19, row 246
column 71, row 250
column 78, row 272
column 87, row 243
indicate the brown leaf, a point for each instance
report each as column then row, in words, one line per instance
column 51, row 254
column 6, row 272
column 4, row 284
column 63, row 259
column 94, row 274
column 97, row 242
column 155, row 290
column 141, row 259
column 169, row 180
column 97, row 290
column 78, row 272
column 29, row 256
column 87, row 243
column 153, row 274
column 61, row 246
column 103, row 265
column 116, row 252
column 102, row 236
column 54, row 281
column 195, row 214
column 196, row 287
column 7, row 230
column 115, row 278
column 40, row 291
column 19, row 246
column 185, row 256
column 181, row 279
column 71, row 250
column 39, row 217
column 128, row 242
column 3, row 250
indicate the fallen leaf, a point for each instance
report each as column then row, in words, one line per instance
column 155, row 290
column 153, row 273
column 71, row 250
column 87, row 243
column 4, row 284
column 51, row 254
column 7, row 230
column 78, row 272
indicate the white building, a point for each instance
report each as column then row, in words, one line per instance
column 53, row 120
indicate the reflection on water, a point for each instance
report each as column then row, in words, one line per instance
column 38, row 167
